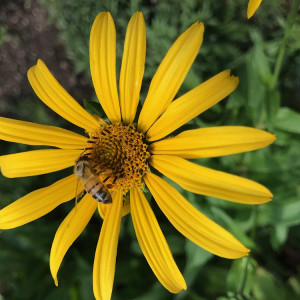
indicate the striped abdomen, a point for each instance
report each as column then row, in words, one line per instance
column 97, row 190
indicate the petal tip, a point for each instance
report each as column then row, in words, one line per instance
column 253, row 5
column 54, row 276
column 30, row 71
column 243, row 252
column 273, row 138
column 268, row 194
column 235, row 79
column 266, row 199
column 249, row 14
column 199, row 26
column 103, row 14
column 196, row 29
column 40, row 63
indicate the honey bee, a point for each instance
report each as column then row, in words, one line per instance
column 92, row 184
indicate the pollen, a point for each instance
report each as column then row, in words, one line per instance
column 118, row 156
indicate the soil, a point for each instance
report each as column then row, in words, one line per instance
column 25, row 36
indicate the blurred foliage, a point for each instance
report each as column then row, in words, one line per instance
column 250, row 48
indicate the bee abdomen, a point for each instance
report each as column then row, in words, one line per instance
column 103, row 196
column 98, row 190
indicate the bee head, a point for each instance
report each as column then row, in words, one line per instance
column 80, row 167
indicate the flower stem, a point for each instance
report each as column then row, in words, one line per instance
column 288, row 28
column 244, row 278
column 246, row 266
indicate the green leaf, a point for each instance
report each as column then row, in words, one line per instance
column 272, row 102
column 233, row 227
column 294, row 283
column 267, row 287
column 256, row 91
column 280, row 236
column 94, row 107
column 288, row 213
column 196, row 258
column 156, row 292
column 261, row 62
column 288, row 120
column 241, row 275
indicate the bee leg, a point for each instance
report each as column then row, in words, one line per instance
column 76, row 194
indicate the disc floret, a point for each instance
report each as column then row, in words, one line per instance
column 118, row 152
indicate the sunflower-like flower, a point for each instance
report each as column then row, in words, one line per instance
column 253, row 5
column 121, row 153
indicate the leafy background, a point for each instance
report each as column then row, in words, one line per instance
column 250, row 48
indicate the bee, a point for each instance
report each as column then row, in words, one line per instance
column 92, row 184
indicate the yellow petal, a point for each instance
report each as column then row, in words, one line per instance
column 252, row 7
column 213, row 141
column 35, row 134
column 57, row 98
column 103, row 64
column 106, row 252
column 69, row 230
column 37, row 162
column 102, row 208
column 193, row 103
column 191, row 223
column 170, row 75
column 38, row 203
column 154, row 244
column 205, row 181
column 133, row 65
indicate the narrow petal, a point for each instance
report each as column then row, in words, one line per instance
column 154, row 244
column 106, row 252
column 57, row 98
column 69, row 230
column 38, row 203
column 133, row 65
column 35, row 134
column 170, row 75
column 191, row 223
column 103, row 64
column 193, row 103
column 205, row 181
column 37, row 162
column 213, row 142
column 252, row 7
column 102, row 208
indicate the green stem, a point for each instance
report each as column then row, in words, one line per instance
column 244, row 278
column 289, row 26
column 245, row 271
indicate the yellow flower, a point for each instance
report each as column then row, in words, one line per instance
column 253, row 5
column 123, row 153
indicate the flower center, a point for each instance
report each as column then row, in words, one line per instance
column 118, row 156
